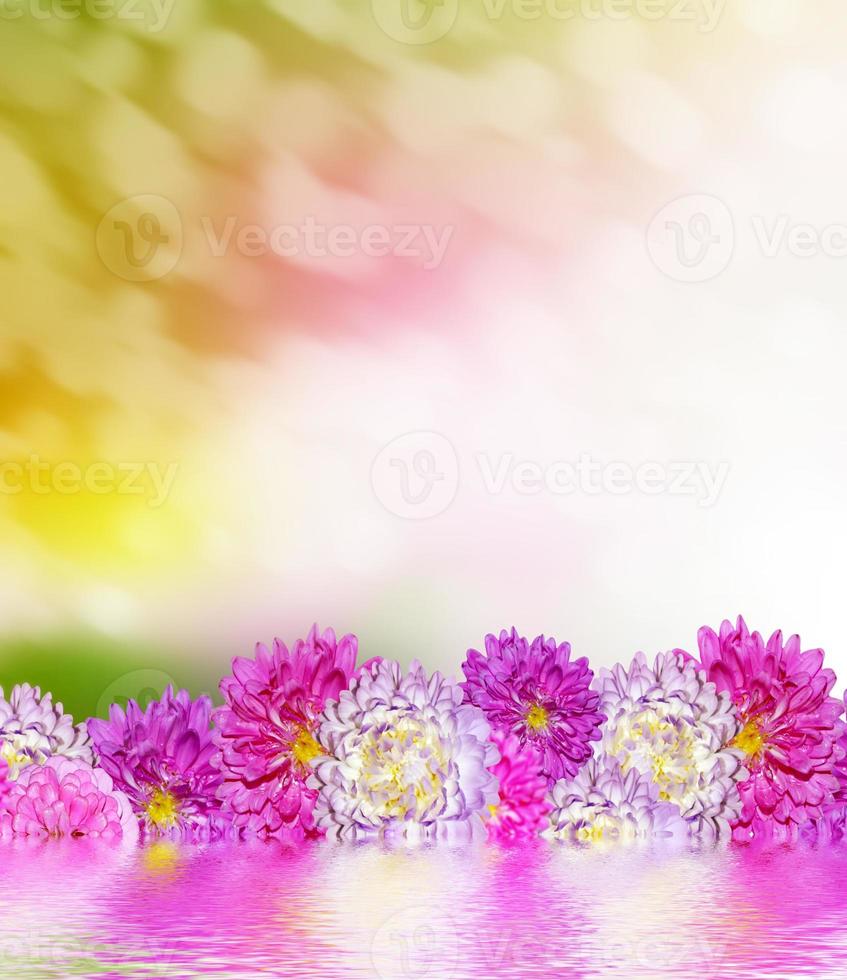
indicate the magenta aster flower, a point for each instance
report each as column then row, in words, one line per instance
column 266, row 730
column 832, row 824
column 66, row 798
column 32, row 729
column 602, row 803
column 403, row 756
column 840, row 768
column 790, row 727
column 161, row 758
column 536, row 691
column 523, row 806
column 830, row 827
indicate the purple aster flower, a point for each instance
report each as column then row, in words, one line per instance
column 669, row 722
column 266, row 730
column 403, row 756
column 32, row 729
column 66, row 798
column 536, row 691
column 523, row 807
column 161, row 758
column 791, row 730
column 602, row 804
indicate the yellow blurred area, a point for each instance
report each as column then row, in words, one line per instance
column 107, row 534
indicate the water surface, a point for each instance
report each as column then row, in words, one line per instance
column 240, row 911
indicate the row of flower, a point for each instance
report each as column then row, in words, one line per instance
column 744, row 740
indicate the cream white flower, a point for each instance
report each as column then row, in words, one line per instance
column 669, row 723
column 33, row 729
column 403, row 757
column 603, row 805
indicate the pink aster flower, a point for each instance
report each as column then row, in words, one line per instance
column 66, row 798
column 522, row 808
column 161, row 758
column 402, row 756
column 5, row 782
column 266, row 730
column 790, row 727
column 827, row 829
column 32, row 729
column 536, row 691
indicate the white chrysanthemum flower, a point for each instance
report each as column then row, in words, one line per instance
column 32, row 729
column 668, row 722
column 403, row 756
column 602, row 804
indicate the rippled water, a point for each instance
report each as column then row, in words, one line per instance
column 327, row 911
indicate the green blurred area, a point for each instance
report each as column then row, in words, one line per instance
column 87, row 673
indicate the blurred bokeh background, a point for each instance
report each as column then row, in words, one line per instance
column 247, row 247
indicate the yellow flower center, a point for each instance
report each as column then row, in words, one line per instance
column 161, row 857
column 750, row 739
column 162, row 810
column 15, row 759
column 599, row 829
column 660, row 745
column 536, row 718
column 402, row 768
column 305, row 748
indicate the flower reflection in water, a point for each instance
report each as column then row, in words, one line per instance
column 540, row 909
